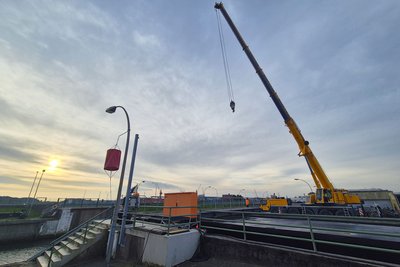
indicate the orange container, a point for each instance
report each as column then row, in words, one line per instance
column 182, row 199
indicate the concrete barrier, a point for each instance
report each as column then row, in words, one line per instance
column 232, row 249
column 31, row 229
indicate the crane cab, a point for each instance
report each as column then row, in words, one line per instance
column 323, row 196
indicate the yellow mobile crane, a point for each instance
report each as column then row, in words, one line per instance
column 327, row 200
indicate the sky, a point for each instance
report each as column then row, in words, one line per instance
column 334, row 64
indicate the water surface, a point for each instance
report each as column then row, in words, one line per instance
column 21, row 251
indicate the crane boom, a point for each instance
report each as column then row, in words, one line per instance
column 321, row 180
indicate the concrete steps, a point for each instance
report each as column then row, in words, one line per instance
column 72, row 246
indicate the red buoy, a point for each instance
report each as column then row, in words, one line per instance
column 113, row 158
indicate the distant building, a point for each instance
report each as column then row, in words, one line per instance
column 17, row 201
column 229, row 196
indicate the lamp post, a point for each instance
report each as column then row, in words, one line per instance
column 297, row 179
column 37, row 187
column 204, row 195
column 33, row 184
column 240, row 192
column 121, row 181
column 216, row 192
column 242, row 197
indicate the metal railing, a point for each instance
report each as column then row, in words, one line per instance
column 86, row 226
column 244, row 225
column 165, row 218
column 84, row 202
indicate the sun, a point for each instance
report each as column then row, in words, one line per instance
column 53, row 164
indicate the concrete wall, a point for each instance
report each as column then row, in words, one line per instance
column 133, row 249
column 20, row 230
column 28, row 230
column 158, row 249
column 81, row 215
column 251, row 253
column 170, row 250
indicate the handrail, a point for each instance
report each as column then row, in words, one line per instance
column 68, row 234
column 241, row 220
column 363, row 220
column 54, row 249
column 314, row 228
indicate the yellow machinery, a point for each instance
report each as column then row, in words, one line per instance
column 326, row 197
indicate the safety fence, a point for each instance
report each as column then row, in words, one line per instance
column 357, row 237
column 368, row 238
column 164, row 218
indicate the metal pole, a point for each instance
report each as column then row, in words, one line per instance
column 121, row 241
column 34, row 196
column 297, row 179
column 33, row 184
column 311, row 234
column 117, row 203
column 244, row 226
column 169, row 220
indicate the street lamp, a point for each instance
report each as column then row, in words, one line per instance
column 297, row 179
column 121, row 181
column 37, row 187
column 240, row 192
column 37, row 172
column 216, row 191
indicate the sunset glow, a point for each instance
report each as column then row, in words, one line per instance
column 53, row 164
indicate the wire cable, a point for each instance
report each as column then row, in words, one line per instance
column 226, row 63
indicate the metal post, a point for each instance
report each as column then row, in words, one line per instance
column 199, row 212
column 51, row 255
column 86, row 229
column 169, row 220
column 311, row 234
column 244, row 226
column 121, row 181
column 128, row 193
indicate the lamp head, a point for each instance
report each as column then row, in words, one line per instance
column 111, row 109
column 296, row 179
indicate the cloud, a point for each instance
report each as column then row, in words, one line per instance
column 64, row 63
column 12, row 180
column 148, row 41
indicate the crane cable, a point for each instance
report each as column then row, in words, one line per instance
column 226, row 65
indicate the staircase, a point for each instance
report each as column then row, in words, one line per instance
column 70, row 245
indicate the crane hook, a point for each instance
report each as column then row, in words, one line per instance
column 232, row 104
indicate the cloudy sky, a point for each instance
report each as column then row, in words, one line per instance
column 334, row 64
